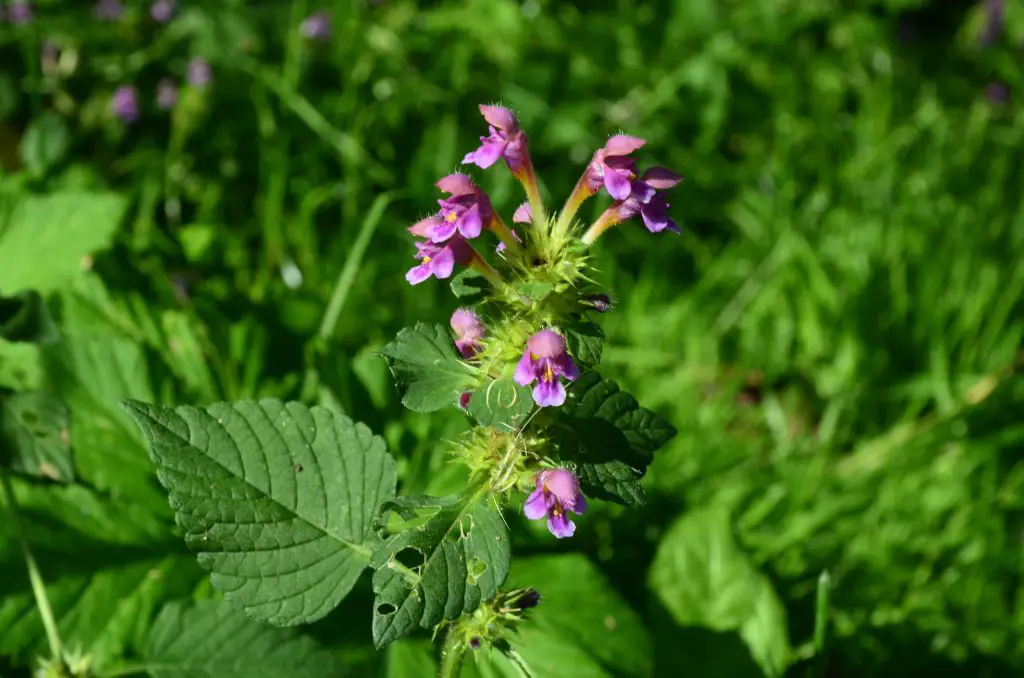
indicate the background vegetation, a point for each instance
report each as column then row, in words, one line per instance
column 836, row 334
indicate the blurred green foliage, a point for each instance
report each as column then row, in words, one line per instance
column 837, row 334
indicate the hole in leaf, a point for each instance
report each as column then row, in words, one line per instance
column 385, row 609
column 476, row 569
column 410, row 557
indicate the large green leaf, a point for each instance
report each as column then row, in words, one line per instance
column 704, row 579
column 453, row 555
column 47, row 237
column 34, row 435
column 581, row 626
column 426, row 368
column 584, row 342
column 277, row 498
column 609, row 438
column 208, row 638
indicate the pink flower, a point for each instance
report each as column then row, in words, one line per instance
column 544, row 361
column 468, row 330
column 557, row 492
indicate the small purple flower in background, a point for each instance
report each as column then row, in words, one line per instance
column 544, row 361
column 108, row 10
column 439, row 261
column 20, row 12
column 125, row 103
column 166, row 94
column 612, row 168
column 557, row 492
column 162, row 11
column 469, row 330
column 993, row 21
column 198, row 73
column 506, row 141
column 997, row 92
column 317, row 27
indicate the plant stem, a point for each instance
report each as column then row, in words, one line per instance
column 604, row 222
column 351, row 267
column 451, row 655
column 36, row 579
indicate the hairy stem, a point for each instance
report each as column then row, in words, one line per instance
column 604, row 222
column 452, row 654
column 36, row 579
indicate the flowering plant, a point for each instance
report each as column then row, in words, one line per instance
column 288, row 504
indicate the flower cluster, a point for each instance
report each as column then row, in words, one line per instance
column 526, row 327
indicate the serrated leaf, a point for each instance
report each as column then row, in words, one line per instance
column 469, row 286
column 502, row 404
column 209, row 638
column 426, row 368
column 48, row 236
column 609, row 471
column 34, row 431
column 584, row 342
column 581, row 622
column 277, row 498
column 25, row 318
column 438, row 568
column 704, row 579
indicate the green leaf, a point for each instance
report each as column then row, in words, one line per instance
column 426, row 368
column 451, row 557
column 535, row 290
column 209, row 638
column 44, row 143
column 584, row 342
column 34, row 432
column 277, row 498
column 704, row 579
column 469, row 286
column 502, row 404
column 581, row 622
column 411, row 658
column 607, row 468
column 25, row 318
column 48, row 236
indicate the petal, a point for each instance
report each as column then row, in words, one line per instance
column 522, row 215
column 443, row 263
column 618, row 184
column 525, row 374
column 565, row 366
column 418, row 274
column 423, row 226
column 655, row 216
column 549, row 393
column 536, row 506
column 442, row 230
column 546, row 344
column 578, row 505
column 457, row 184
column 561, row 526
column 661, row 178
column 641, row 191
column 500, row 117
column 470, row 223
column 623, row 144
column 488, row 153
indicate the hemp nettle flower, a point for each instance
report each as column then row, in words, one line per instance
column 317, row 27
column 557, row 491
column 162, row 11
column 108, row 10
column 544, row 361
column 469, row 330
column 125, row 103
column 439, row 260
column 506, row 141
column 166, row 94
column 612, row 168
column 645, row 201
column 20, row 12
column 198, row 73
column 467, row 211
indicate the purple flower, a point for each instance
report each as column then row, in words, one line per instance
column 20, row 12
column 612, row 168
column 467, row 211
column 993, row 21
column 125, row 103
column 162, row 10
column 198, row 73
column 166, row 94
column 557, row 492
column 439, row 261
column 544, row 361
column 645, row 201
column 506, row 140
column 997, row 92
column 469, row 330
column 522, row 215
column 317, row 27
column 108, row 10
